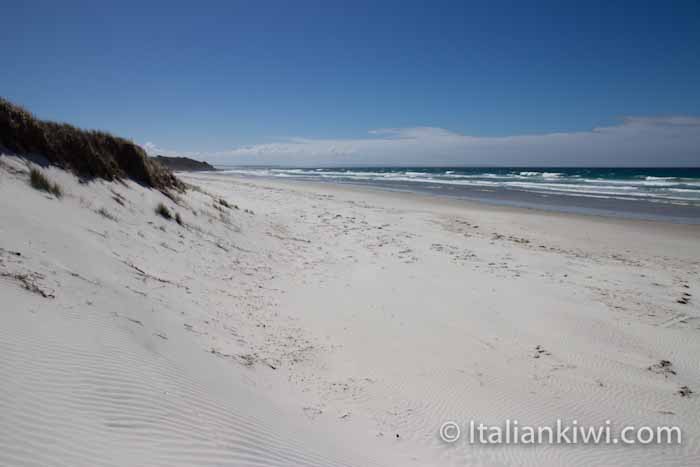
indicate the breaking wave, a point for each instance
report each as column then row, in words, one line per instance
column 676, row 186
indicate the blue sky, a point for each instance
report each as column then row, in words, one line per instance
column 226, row 80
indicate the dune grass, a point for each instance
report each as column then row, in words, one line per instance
column 163, row 211
column 39, row 181
column 88, row 153
column 106, row 214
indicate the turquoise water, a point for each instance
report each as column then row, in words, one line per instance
column 651, row 192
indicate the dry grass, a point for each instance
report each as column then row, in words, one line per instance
column 106, row 214
column 39, row 181
column 163, row 211
column 226, row 204
column 88, row 153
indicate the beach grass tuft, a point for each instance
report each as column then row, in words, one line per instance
column 39, row 181
column 106, row 214
column 163, row 211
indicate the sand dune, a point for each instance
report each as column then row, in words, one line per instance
column 310, row 324
column 114, row 366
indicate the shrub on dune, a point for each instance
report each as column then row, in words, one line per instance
column 39, row 181
column 163, row 211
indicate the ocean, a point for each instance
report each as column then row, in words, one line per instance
column 668, row 194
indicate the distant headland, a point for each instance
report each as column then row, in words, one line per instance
column 183, row 164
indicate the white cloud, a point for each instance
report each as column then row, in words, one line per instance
column 640, row 141
column 667, row 121
column 154, row 150
column 151, row 149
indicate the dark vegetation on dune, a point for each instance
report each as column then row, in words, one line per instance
column 39, row 181
column 184, row 164
column 88, row 153
column 163, row 211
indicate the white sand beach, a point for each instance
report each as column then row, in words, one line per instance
column 310, row 324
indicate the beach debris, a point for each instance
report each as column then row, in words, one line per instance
column 458, row 255
column 222, row 247
column 144, row 275
column 685, row 298
column 539, row 350
column 663, row 367
column 312, row 412
column 247, row 360
column 135, row 321
column 29, row 282
column 14, row 253
column 101, row 234
column 515, row 239
column 271, row 364
column 685, row 391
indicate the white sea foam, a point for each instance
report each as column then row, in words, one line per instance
column 662, row 189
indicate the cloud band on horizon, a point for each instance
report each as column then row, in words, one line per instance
column 636, row 141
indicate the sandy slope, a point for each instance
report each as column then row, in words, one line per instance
column 327, row 321
column 109, row 360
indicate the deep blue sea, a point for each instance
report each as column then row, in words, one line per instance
column 652, row 193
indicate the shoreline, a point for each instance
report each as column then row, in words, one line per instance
column 633, row 209
column 430, row 199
